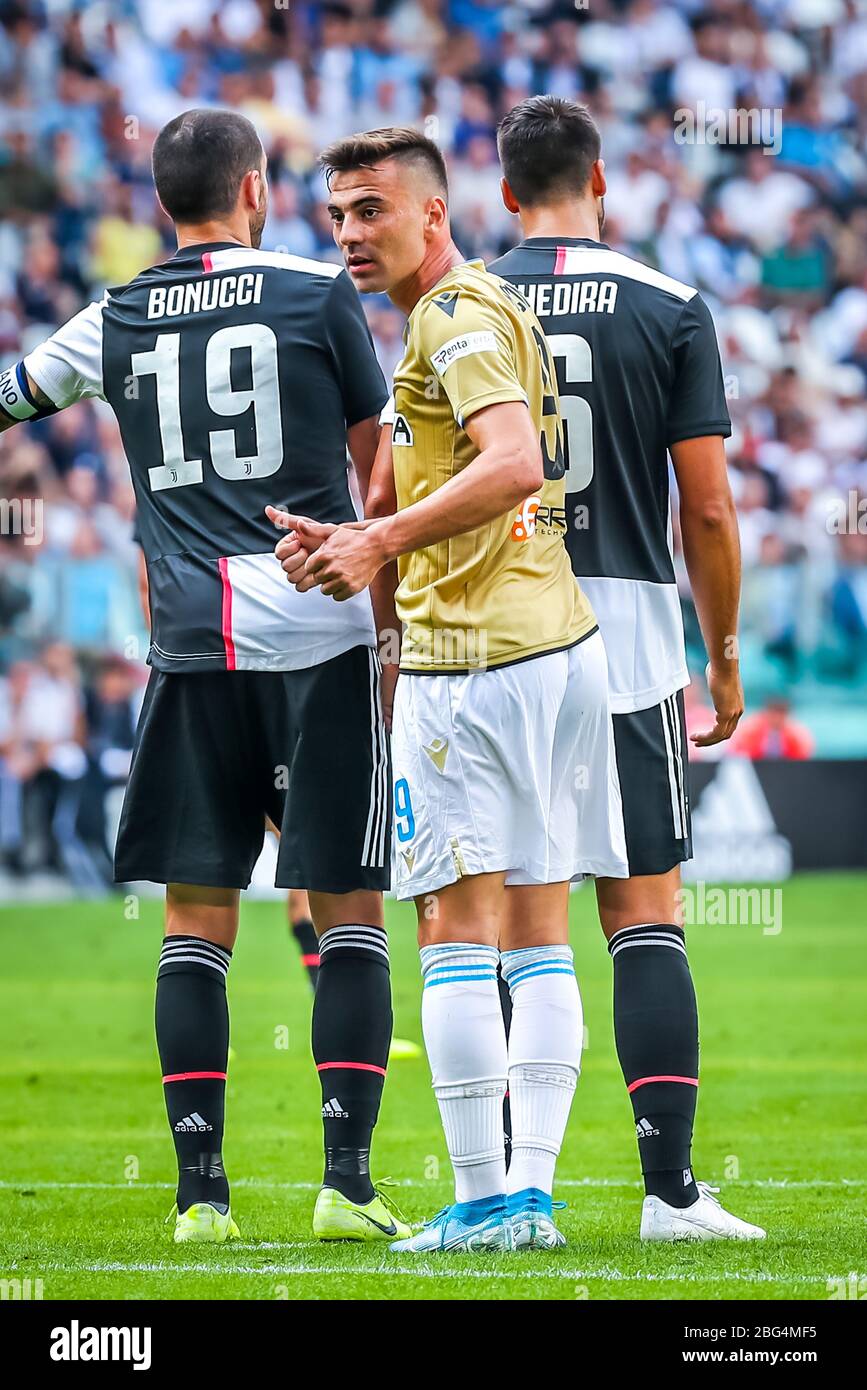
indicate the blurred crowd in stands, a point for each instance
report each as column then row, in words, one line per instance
column 773, row 233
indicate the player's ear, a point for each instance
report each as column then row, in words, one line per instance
column 251, row 189
column 597, row 179
column 437, row 214
column 508, row 196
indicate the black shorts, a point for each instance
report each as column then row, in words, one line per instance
column 652, row 765
column 217, row 751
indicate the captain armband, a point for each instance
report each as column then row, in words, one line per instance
column 17, row 400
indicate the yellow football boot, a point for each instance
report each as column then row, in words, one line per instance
column 203, row 1224
column 336, row 1218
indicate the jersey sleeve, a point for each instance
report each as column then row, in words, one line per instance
column 67, row 367
column 697, row 404
column 358, row 371
column 468, row 341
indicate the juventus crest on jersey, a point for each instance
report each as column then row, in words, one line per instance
column 638, row 370
column 234, row 375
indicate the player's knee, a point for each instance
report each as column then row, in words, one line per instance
column 196, row 910
column 636, row 902
column 442, row 928
column 469, row 910
column 362, row 907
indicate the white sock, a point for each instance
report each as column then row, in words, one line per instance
column 466, row 1046
column 544, row 1058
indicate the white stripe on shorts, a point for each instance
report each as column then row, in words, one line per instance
column 679, row 768
column 373, row 852
column 676, row 815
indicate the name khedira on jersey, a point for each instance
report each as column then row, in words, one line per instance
column 213, row 292
column 571, row 297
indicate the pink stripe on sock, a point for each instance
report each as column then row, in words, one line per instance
column 646, row 1080
column 309, row 960
column 196, row 1076
column 351, row 1066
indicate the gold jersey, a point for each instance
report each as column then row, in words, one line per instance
column 504, row 591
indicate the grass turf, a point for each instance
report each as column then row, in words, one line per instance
column 86, row 1163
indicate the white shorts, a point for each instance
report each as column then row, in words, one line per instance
column 508, row 769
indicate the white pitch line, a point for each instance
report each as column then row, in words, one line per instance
column 268, row 1184
column 734, row 1182
column 605, row 1273
column 40, row 1186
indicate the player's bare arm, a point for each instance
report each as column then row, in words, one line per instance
column 507, row 468
column 362, row 441
column 711, row 548
column 382, row 502
column 144, row 589
column 382, row 494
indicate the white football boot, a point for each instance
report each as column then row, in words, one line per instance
column 706, row 1219
column 531, row 1212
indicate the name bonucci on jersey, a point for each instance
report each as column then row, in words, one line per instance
column 202, row 295
column 234, row 374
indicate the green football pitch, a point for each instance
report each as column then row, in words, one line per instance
column 86, row 1162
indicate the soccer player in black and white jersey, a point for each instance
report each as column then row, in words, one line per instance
column 239, row 378
column 640, row 379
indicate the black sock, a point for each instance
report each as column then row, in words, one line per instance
column 351, row 1036
column 305, row 934
column 656, row 1030
column 192, row 1024
column 506, row 1006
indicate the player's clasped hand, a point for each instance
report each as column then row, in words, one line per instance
column 303, row 538
column 341, row 560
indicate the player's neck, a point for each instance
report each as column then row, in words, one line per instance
column 437, row 263
column 570, row 219
column 201, row 233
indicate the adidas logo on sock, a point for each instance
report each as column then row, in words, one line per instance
column 333, row 1110
column 644, row 1129
column 192, row 1124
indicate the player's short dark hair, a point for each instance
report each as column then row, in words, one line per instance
column 371, row 147
column 548, row 147
column 199, row 160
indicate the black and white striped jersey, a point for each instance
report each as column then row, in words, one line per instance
column 234, row 375
column 638, row 370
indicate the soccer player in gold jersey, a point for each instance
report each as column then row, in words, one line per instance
column 504, row 771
